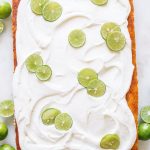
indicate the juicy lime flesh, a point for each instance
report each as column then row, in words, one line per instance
column 77, row 38
column 52, row 11
column 3, row 131
column 86, row 75
column 145, row 114
column 110, row 141
column 44, row 73
column 33, row 62
column 96, row 88
column 6, row 147
column 99, row 2
column 63, row 122
column 6, row 108
column 49, row 115
column 116, row 41
column 144, row 131
column 1, row 26
column 108, row 28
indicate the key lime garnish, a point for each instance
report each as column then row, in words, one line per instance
column 116, row 41
column 99, row 2
column 108, row 28
column 110, row 141
column 48, row 116
column 43, row 73
column 1, row 26
column 52, row 11
column 77, row 38
column 37, row 6
column 96, row 88
column 7, row 108
column 63, row 122
column 3, row 131
column 6, row 147
column 145, row 114
column 33, row 62
column 86, row 75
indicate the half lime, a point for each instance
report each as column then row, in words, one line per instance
column 145, row 114
column 99, row 2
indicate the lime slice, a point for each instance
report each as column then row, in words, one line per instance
column 6, row 147
column 33, row 62
column 96, row 88
column 3, row 131
column 6, row 108
column 44, row 73
column 37, row 6
column 52, row 11
column 145, row 114
column 63, row 122
column 1, row 26
column 116, row 41
column 77, row 38
column 110, row 141
column 99, row 2
column 49, row 115
column 86, row 75
column 108, row 28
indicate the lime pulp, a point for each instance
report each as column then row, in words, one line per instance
column 6, row 147
column 145, row 114
column 99, row 2
column 3, row 131
column 1, row 26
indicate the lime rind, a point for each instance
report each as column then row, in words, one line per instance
column 145, row 114
column 3, row 131
column 5, row 9
column 1, row 27
column 99, row 2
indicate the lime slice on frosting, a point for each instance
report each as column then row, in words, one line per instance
column 145, row 114
column 99, row 2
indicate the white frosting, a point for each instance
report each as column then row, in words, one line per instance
column 92, row 117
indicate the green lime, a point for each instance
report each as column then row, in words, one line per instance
column 108, row 28
column 96, row 88
column 99, row 2
column 52, row 11
column 116, row 41
column 7, row 108
column 37, row 6
column 110, row 141
column 77, row 38
column 145, row 114
column 44, row 73
column 33, row 62
column 1, row 26
column 144, row 131
column 5, row 9
column 63, row 122
column 48, row 116
column 86, row 75
column 6, row 147
column 3, row 131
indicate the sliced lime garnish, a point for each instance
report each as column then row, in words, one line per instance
column 33, row 62
column 110, row 141
column 48, row 116
column 1, row 26
column 96, row 88
column 86, row 75
column 108, row 28
column 7, row 108
column 44, row 73
column 6, row 147
column 116, row 41
column 99, row 2
column 63, row 122
column 77, row 38
column 52, row 11
column 145, row 114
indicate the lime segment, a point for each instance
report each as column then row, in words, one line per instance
column 99, row 2
column 86, row 75
column 1, row 26
column 110, row 141
column 145, row 114
column 116, row 41
column 77, row 38
column 6, row 108
column 52, row 11
column 3, row 131
column 63, row 122
column 96, row 88
column 6, row 147
column 108, row 28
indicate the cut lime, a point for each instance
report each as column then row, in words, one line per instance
column 6, row 147
column 6, row 108
column 63, row 122
column 3, row 131
column 52, row 11
column 145, row 114
column 49, row 115
column 1, row 26
column 96, row 88
column 99, row 2
column 116, row 41
column 33, row 62
column 37, row 6
column 44, row 73
column 86, row 75
column 77, row 38
column 110, row 141
column 108, row 28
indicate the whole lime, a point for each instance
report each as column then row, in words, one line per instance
column 3, row 131
column 6, row 147
column 144, row 131
column 5, row 9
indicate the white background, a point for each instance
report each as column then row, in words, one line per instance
column 142, row 25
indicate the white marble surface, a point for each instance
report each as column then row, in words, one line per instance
column 142, row 25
